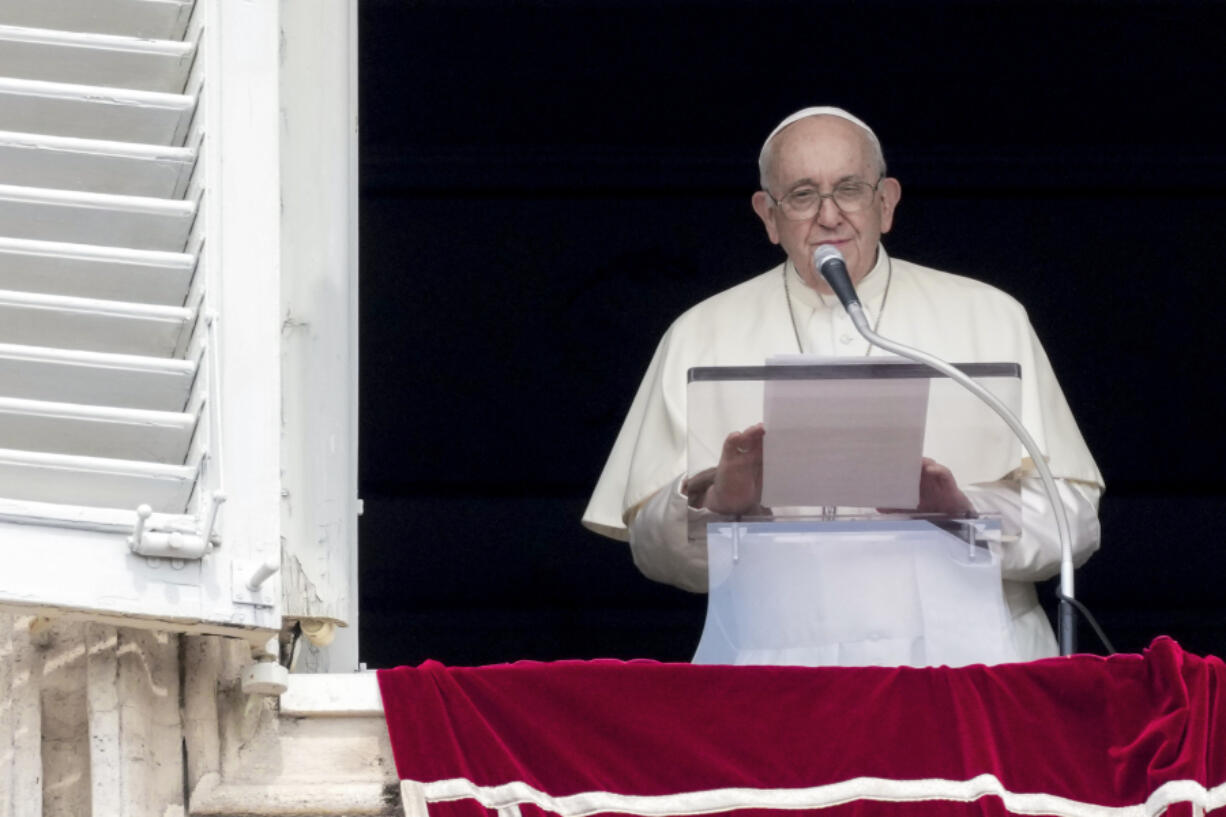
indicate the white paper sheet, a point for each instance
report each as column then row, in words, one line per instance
column 853, row 442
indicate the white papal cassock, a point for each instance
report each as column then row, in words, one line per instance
column 638, row 497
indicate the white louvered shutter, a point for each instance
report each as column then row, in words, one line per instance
column 139, row 311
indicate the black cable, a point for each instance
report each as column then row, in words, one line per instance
column 289, row 651
column 1085, row 611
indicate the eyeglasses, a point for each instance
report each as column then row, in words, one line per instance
column 803, row 203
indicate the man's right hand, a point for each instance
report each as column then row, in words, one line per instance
column 734, row 487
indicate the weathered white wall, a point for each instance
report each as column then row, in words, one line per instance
column 119, row 722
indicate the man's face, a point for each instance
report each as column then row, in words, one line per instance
column 822, row 152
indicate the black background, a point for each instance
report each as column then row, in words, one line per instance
column 546, row 185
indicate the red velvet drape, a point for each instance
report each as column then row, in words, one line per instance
column 1128, row 734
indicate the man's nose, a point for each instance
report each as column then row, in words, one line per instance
column 828, row 213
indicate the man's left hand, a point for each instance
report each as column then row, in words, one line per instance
column 939, row 491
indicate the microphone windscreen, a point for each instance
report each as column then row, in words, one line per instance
column 829, row 262
column 825, row 253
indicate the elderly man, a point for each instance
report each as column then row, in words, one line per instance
column 823, row 178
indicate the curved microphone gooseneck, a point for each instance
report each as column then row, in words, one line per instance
column 829, row 262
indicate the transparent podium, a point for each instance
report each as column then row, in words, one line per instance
column 835, row 565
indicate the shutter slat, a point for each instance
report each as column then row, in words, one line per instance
column 94, row 481
column 161, row 19
column 94, row 59
column 88, row 271
column 75, row 376
column 94, row 166
column 94, row 112
column 134, row 222
column 94, row 431
column 62, row 322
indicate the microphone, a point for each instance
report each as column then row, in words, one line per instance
column 829, row 262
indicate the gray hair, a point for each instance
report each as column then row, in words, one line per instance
column 767, row 154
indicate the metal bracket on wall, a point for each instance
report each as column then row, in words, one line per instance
column 175, row 544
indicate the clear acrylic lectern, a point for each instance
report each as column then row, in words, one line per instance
column 835, row 566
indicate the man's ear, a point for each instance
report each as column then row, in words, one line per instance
column 891, row 194
column 765, row 210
